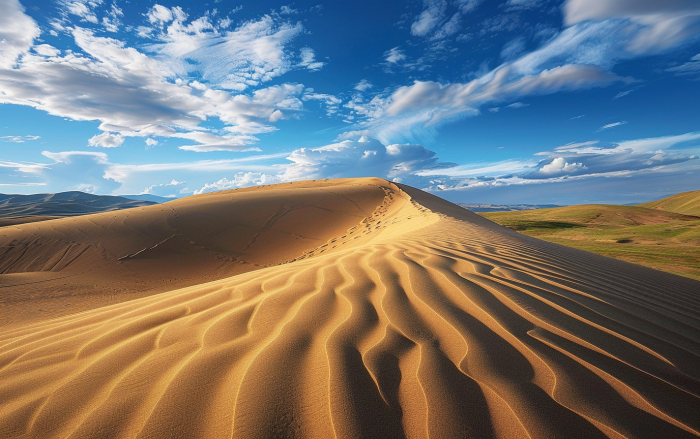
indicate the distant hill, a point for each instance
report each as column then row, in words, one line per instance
column 148, row 197
column 62, row 204
column 687, row 203
column 655, row 238
column 504, row 207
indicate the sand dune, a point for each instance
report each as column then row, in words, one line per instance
column 380, row 311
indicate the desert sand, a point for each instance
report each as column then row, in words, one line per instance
column 334, row 309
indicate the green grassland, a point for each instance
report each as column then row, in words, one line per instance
column 658, row 239
column 686, row 202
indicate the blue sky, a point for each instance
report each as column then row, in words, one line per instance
column 508, row 101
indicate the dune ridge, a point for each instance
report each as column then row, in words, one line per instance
column 419, row 320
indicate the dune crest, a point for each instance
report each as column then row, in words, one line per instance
column 415, row 319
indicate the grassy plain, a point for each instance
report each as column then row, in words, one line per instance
column 657, row 239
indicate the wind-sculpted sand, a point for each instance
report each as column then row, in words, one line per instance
column 418, row 319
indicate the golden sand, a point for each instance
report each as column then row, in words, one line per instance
column 334, row 309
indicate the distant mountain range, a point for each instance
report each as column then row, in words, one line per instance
column 504, row 207
column 47, row 206
column 148, row 197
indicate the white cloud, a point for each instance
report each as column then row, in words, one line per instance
column 251, row 54
column 481, row 169
column 159, row 14
column 133, row 94
column 106, row 140
column 692, row 67
column 308, row 59
column 612, row 125
column 81, row 8
column 241, row 179
column 415, row 110
column 165, row 189
column 469, row 5
column 663, row 24
column 559, row 165
column 516, row 5
column 150, row 143
column 450, row 27
column 287, row 10
column 18, row 139
column 363, row 85
column 513, row 48
column 657, row 143
column 575, row 161
column 622, row 94
column 577, row 57
column 79, row 170
column 331, row 102
column 17, row 32
column 46, row 50
column 430, row 17
column 394, row 55
column 363, row 158
column 112, row 22
column 125, row 173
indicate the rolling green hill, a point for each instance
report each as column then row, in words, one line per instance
column 658, row 239
column 686, row 202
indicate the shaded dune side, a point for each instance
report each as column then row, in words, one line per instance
column 439, row 324
column 74, row 264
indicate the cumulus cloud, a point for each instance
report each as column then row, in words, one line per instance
column 143, row 93
column 106, row 140
column 159, row 14
column 362, row 158
column 241, row 179
column 559, row 165
column 308, row 59
column 150, row 143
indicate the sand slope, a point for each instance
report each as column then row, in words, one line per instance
column 55, row 267
column 420, row 319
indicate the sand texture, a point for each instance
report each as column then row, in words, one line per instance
column 334, row 309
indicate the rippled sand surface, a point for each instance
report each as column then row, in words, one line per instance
column 339, row 309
